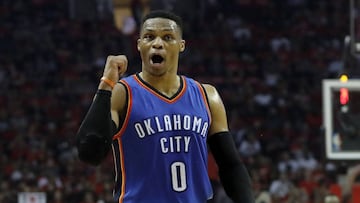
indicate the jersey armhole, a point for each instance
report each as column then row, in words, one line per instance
column 206, row 96
column 124, row 113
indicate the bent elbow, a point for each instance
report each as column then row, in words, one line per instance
column 90, row 157
column 92, row 149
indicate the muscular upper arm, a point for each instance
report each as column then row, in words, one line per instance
column 118, row 103
column 218, row 113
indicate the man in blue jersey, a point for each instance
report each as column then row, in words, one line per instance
column 159, row 125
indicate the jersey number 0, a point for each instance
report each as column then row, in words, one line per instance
column 178, row 176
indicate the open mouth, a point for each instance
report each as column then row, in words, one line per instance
column 156, row 59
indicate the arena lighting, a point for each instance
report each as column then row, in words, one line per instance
column 344, row 96
column 344, row 92
column 344, row 78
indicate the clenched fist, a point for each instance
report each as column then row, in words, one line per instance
column 115, row 67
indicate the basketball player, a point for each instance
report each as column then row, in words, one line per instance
column 158, row 125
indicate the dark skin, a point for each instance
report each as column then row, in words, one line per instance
column 163, row 37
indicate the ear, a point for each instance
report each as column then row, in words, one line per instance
column 182, row 45
column 138, row 44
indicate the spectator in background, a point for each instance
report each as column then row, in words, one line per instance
column 281, row 187
column 249, row 146
column 331, row 199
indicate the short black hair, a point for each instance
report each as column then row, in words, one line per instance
column 164, row 14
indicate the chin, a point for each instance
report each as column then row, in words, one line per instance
column 157, row 72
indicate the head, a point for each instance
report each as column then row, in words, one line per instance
column 160, row 42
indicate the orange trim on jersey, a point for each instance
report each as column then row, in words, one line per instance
column 115, row 165
column 123, row 179
column 128, row 110
column 161, row 96
column 205, row 100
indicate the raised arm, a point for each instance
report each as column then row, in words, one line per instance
column 232, row 172
column 94, row 137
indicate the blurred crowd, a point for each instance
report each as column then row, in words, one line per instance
column 266, row 57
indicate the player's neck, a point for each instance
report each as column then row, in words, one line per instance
column 166, row 84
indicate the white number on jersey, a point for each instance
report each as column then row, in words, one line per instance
column 178, row 176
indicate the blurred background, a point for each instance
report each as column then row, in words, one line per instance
column 266, row 57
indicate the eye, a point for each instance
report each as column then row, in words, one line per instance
column 168, row 37
column 148, row 37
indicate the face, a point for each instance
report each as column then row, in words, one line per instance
column 159, row 45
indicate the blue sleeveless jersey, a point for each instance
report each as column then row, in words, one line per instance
column 160, row 152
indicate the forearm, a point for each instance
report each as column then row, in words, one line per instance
column 94, row 137
column 237, row 183
column 232, row 172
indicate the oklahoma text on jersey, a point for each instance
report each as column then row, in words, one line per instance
column 176, row 122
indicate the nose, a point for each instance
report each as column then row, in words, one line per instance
column 157, row 43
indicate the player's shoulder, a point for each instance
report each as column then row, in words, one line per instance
column 119, row 88
column 126, row 82
column 206, row 86
column 127, row 78
column 210, row 91
column 120, row 93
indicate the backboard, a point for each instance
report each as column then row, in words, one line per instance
column 341, row 118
